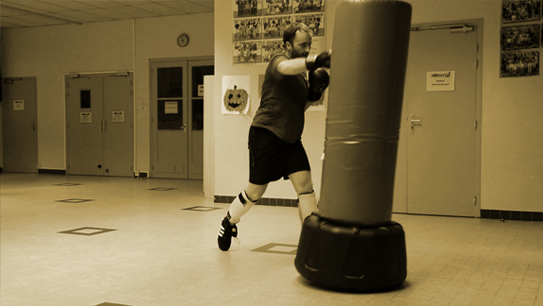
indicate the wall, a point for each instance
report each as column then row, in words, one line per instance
column 51, row 52
column 232, row 157
column 2, row 103
column 512, row 164
column 156, row 38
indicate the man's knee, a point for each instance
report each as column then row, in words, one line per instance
column 255, row 192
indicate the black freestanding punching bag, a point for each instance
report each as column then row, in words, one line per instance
column 352, row 244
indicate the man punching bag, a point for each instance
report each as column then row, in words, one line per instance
column 352, row 244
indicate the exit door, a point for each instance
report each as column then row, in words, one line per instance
column 177, row 118
column 437, row 159
column 19, row 125
column 99, row 125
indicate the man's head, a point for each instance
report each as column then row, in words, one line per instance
column 297, row 40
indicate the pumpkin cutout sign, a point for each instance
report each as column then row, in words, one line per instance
column 236, row 94
column 235, row 100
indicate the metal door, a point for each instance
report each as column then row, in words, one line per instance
column 99, row 124
column 197, row 71
column 169, row 119
column 177, row 114
column 19, row 120
column 118, row 125
column 439, row 128
column 85, row 125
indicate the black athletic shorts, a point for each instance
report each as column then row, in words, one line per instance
column 272, row 158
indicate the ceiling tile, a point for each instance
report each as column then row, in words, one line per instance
column 81, row 16
column 136, row 12
column 209, row 4
column 7, row 12
column 101, row 3
column 38, row 20
column 74, row 5
column 37, row 12
column 187, row 6
column 8, row 22
column 132, row 2
column 160, row 9
column 37, row 6
column 109, row 13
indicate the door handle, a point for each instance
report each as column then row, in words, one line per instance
column 33, row 126
column 102, row 127
column 414, row 122
column 184, row 127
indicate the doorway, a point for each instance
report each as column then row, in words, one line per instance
column 19, row 125
column 177, row 117
column 100, row 124
column 438, row 166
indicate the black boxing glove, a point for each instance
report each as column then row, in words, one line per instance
column 313, row 62
column 318, row 82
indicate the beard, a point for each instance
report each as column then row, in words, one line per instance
column 296, row 54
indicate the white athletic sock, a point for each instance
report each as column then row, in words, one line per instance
column 239, row 207
column 307, row 204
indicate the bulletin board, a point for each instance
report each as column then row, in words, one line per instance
column 521, row 40
column 257, row 30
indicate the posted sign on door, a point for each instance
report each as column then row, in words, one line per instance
column 440, row 81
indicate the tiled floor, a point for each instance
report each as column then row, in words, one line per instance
column 132, row 245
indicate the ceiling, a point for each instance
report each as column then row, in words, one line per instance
column 41, row 13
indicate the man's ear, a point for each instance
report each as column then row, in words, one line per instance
column 288, row 45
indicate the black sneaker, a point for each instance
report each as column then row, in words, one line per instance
column 226, row 233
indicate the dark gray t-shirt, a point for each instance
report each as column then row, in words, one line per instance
column 282, row 106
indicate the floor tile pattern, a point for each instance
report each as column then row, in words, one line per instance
column 202, row 208
column 67, row 184
column 278, row 248
column 75, row 200
column 162, row 189
column 87, row 231
column 163, row 255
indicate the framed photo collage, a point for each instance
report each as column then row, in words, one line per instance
column 521, row 38
column 257, row 31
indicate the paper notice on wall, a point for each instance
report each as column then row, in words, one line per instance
column 117, row 116
column 170, row 107
column 440, row 81
column 85, row 117
column 18, row 105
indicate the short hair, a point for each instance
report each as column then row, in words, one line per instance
column 290, row 32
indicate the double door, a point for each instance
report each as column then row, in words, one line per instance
column 177, row 117
column 100, row 124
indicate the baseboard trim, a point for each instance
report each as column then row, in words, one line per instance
column 263, row 201
column 511, row 215
column 51, row 171
column 485, row 213
column 141, row 174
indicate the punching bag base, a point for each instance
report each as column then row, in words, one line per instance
column 351, row 258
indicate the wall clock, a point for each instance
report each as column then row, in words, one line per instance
column 183, row 40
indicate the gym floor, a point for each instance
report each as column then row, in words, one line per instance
column 86, row 241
